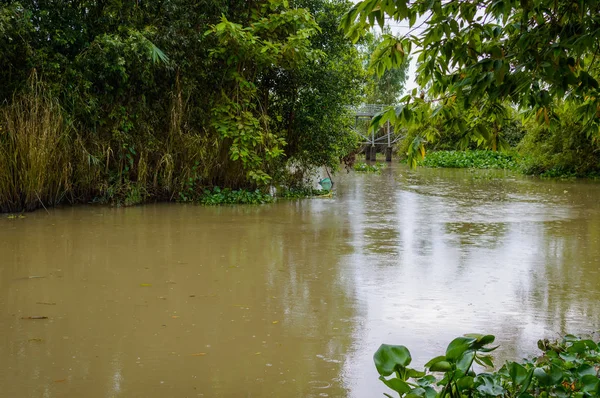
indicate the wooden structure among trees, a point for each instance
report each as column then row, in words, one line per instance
column 367, row 112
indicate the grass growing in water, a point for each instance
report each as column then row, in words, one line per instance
column 369, row 168
column 226, row 196
column 471, row 159
column 299, row 193
column 479, row 159
column 34, row 163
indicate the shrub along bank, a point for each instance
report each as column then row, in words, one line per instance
column 562, row 149
column 128, row 102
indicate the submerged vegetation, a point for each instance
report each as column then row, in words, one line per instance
column 227, row 196
column 566, row 368
column 471, row 159
column 363, row 167
column 301, row 192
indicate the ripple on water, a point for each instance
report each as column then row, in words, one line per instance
column 318, row 384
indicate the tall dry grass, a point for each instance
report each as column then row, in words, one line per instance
column 45, row 161
column 34, row 146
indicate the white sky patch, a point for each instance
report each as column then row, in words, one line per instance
column 401, row 29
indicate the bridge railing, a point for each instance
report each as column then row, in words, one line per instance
column 367, row 109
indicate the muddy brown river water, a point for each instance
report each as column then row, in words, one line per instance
column 291, row 299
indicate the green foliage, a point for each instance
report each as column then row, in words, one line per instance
column 362, row 167
column 384, row 89
column 439, row 138
column 194, row 192
column 300, row 192
column 471, row 159
column 568, row 368
column 484, row 54
column 450, row 127
column 314, row 112
column 146, row 96
column 513, row 132
column 560, row 151
column 218, row 196
column 34, row 158
column 278, row 39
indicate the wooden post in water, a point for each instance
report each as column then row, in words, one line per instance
column 388, row 150
column 367, row 153
column 373, row 148
column 373, row 153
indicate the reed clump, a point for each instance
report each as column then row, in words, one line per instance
column 45, row 160
column 34, row 146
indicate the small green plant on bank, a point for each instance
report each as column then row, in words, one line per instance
column 300, row 192
column 369, row 168
column 567, row 368
column 471, row 159
column 226, row 196
column 188, row 193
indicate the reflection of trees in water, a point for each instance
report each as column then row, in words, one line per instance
column 483, row 238
column 462, row 186
column 566, row 288
column 294, row 253
column 562, row 293
column 293, row 263
column 381, row 240
column 375, row 219
column 317, row 294
column 226, row 274
column 487, row 235
column 466, row 188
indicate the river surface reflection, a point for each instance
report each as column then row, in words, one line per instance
column 292, row 298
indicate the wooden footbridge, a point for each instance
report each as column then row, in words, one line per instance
column 385, row 136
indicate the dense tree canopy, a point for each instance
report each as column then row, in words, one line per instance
column 161, row 99
column 387, row 87
column 493, row 54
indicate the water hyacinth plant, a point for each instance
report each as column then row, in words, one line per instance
column 471, row 159
column 369, row 168
column 567, row 368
